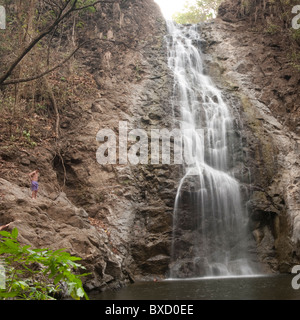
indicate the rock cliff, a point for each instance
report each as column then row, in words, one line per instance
column 250, row 49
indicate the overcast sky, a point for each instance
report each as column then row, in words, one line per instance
column 168, row 7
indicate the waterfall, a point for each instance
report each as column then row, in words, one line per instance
column 210, row 223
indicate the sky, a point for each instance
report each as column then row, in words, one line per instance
column 168, row 7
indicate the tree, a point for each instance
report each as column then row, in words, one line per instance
column 200, row 11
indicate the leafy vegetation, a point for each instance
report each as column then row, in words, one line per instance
column 200, row 11
column 37, row 274
column 294, row 57
column 272, row 29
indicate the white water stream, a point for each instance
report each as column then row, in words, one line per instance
column 209, row 219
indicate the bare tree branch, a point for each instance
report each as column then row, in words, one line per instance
column 40, row 75
column 22, row 80
column 63, row 13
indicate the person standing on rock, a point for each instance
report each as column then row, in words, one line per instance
column 34, row 177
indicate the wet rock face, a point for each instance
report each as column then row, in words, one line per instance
column 253, row 70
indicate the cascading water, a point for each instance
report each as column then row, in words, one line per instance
column 209, row 228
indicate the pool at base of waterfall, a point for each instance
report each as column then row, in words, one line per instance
column 273, row 287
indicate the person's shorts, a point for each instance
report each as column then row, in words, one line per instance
column 34, row 185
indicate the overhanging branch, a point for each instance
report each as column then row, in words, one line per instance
column 63, row 13
column 22, row 80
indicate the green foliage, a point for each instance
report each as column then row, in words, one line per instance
column 200, row 11
column 272, row 29
column 37, row 274
column 296, row 34
column 295, row 60
column 26, row 135
column 86, row 4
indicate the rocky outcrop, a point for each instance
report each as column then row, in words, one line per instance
column 55, row 222
column 253, row 67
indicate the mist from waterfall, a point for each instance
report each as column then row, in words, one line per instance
column 210, row 222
